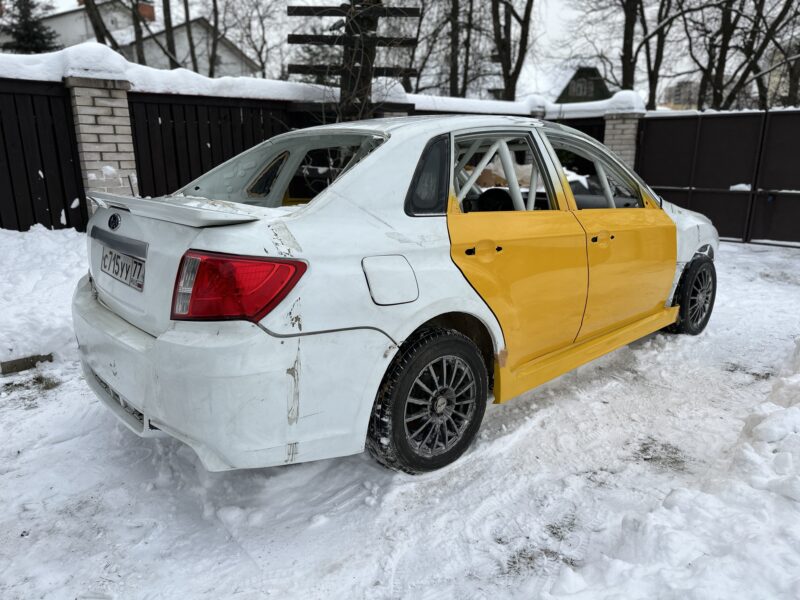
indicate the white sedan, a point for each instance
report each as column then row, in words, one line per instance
column 375, row 284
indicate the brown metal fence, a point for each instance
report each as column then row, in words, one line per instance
column 40, row 174
column 742, row 170
column 178, row 138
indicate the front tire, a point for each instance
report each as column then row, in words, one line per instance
column 430, row 404
column 696, row 296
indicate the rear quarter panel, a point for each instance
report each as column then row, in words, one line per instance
column 361, row 216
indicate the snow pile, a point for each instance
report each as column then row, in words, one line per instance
column 768, row 457
column 735, row 531
column 40, row 270
column 94, row 60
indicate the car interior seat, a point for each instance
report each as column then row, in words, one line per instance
column 494, row 199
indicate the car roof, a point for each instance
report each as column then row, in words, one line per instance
column 430, row 124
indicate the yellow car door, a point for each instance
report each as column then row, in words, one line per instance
column 631, row 242
column 516, row 241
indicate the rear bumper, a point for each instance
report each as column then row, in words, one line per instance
column 238, row 396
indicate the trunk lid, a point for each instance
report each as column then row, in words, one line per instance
column 156, row 233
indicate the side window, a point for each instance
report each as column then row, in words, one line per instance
column 625, row 194
column 430, row 185
column 499, row 172
column 583, row 179
column 262, row 186
column 595, row 181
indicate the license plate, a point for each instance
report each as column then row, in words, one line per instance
column 124, row 268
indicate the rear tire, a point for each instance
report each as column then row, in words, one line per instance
column 695, row 296
column 430, row 404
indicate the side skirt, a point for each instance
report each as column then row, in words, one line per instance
column 509, row 384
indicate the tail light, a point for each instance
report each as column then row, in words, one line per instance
column 213, row 286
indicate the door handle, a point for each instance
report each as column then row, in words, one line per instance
column 602, row 236
column 485, row 250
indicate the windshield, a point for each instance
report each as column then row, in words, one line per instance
column 287, row 171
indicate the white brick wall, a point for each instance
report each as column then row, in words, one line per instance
column 103, row 132
column 622, row 131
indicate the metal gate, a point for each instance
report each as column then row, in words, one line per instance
column 39, row 166
column 742, row 170
column 178, row 138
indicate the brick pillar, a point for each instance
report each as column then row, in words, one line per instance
column 621, row 135
column 103, row 130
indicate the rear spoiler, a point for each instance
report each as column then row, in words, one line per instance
column 194, row 212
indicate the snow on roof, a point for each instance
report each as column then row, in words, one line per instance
column 127, row 35
column 60, row 6
column 692, row 112
column 94, row 60
column 624, row 101
column 472, row 105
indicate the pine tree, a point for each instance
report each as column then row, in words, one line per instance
column 29, row 35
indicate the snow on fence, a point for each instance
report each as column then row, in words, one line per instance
column 144, row 130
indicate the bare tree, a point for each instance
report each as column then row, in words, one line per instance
column 793, row 74
column 446, row 65
column 101, row 32
column 252, row 22
column 727, row 42
column 511, row 41
column 783, row 70
column 215, row 35
column 469, row 30
column 189, row 36
column 138, row 37
column 455, row 18
column 169, row 33
column 655, row 43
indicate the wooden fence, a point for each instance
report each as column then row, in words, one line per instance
column 178, row 138
column 40, row 175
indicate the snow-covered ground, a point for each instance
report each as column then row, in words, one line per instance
column 668, row 469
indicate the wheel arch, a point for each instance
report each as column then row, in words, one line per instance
column 470, row 326
column 490, row 342
column 704, row 250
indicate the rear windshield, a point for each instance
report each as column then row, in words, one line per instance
column 287, row 171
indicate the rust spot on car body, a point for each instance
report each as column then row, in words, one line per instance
column 502, row 357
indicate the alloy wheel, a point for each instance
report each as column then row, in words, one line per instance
column 440, row 405
column 700, row 296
